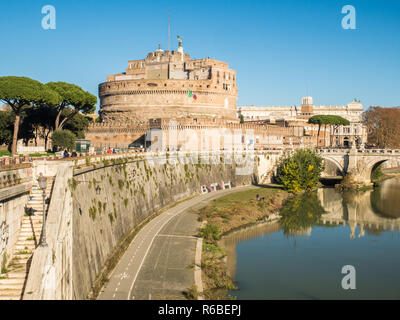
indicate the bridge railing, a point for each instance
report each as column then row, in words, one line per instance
column 332, row 150
column 384, row 151
column 369, row 151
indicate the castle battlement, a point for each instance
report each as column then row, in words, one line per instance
column 170, row 84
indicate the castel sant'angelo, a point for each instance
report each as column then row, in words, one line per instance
column 170, row 91
column 169, row 84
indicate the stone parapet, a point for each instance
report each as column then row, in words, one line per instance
column 50, row 274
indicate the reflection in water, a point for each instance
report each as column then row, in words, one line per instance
column 373, row 211
column 287, row 261
column 385, row 200
column 300, row 213
column 229, row 242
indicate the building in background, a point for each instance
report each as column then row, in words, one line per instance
column 297, row 116
column 168, row 91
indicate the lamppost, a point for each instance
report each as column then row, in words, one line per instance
column 42, row 185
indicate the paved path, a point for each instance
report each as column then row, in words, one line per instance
column 159, row 262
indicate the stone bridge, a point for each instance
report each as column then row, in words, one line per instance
column 358, row 162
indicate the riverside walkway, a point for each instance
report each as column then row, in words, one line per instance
column 160, row 261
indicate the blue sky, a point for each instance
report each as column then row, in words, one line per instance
column 281, row 50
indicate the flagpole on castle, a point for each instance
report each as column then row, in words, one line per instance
column 169, row 29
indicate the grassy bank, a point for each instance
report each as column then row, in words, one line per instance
column 224, row 215
column 238, row 209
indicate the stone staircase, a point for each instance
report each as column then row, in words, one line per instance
column 12, row 283
column 266, row 178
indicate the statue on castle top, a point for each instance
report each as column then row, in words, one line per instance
column 179, row 41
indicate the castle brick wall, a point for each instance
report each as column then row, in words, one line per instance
column 140, row 100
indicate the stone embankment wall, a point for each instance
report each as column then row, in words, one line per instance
column 102, row 200
column 15, row 183
column 109, row 202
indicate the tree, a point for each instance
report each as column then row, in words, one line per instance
column 42, row 122
column 319, row 120
column 72, row 97
column 21, row 93
column 77, row 124
column 6, row 127
column 241, row 119
column 326, row 119
column 300, row 171
column 337, row 121
column 63, row 139
column 26, row 128
column 383, row 126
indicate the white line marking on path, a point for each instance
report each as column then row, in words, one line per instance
column 148, row 248
column 176, row 235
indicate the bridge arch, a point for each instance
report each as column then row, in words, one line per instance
column 373, row 165
column 335, row 162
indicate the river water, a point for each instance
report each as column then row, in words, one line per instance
column 302, row 256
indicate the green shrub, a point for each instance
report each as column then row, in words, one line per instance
column 5, row 153
column 63, row 139
column 33, row 155
column 214, row 249
column 210, row 233
column 300, row 171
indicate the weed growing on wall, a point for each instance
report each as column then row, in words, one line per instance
column 4, row 263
